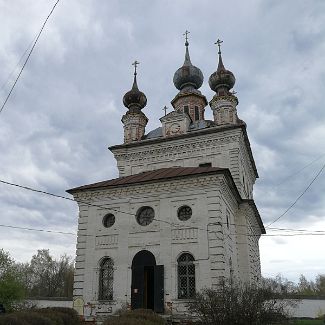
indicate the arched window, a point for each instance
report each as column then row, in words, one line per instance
column 106, row 279
column 186, row 276
column 197, row 113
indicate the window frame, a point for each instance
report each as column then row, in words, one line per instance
column 103, row 296
column 179, row 211
column 104, row 220
column 140, row 210
column 188, row 265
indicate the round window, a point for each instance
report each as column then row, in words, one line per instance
column 184, row 213
column 108, row 220
column 145, row 216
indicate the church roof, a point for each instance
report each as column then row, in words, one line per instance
column 154, row 175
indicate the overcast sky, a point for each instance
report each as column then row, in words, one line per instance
column 67, row 106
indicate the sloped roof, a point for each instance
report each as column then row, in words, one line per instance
column 167, row 174
column 154, row 175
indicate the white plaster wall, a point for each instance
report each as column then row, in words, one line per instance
column 207, row 197
column 223, row 148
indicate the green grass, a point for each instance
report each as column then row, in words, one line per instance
column 309, row 322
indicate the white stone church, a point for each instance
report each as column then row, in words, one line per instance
column 181, row 216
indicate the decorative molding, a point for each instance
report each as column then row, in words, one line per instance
column 184, row 235
column 172, row 185
column 106, row 241
column 179, row 149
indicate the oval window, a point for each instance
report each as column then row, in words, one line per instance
column 145, row 216
column 184, row 213
column 108, row 220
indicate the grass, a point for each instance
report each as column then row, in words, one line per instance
column 308, row 322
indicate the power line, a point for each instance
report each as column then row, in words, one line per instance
column 41, row 230
column 87, row 235
column 298, row 198
column 131, row 214
column 29, row 54
column 108, row 207
column 17, row 65
column 300, row 170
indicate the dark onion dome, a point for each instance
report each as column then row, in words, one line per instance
column 135, row 98
column 188, row 74
column 222, row 77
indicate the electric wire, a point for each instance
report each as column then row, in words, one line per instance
column 17, row 65
column 28, row 56
column 156, row 219
column 233, row 234
column 298, row 198
column 300, row 170
column 41, row 230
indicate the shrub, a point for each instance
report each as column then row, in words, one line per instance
column 136, row 317
column 68, row 316
column 12, row 320
column 239, row 304
column 44, row 316
column 54, row 316
column 34, row 318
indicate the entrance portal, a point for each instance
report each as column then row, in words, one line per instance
column 147, row 289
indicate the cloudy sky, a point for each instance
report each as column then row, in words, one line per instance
column 67, row 106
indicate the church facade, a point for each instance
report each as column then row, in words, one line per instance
column 181, row 216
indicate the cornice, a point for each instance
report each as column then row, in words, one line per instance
column 159, row 186
column 148, row 144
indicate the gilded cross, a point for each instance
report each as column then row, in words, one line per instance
column 186, row 35
column 165, row 109
column 135, row 63
column 218, row 42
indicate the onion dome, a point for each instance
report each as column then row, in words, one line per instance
column 135, row 99
column 222, row 77
column 188, row 75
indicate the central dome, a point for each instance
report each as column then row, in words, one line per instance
column 188, row 74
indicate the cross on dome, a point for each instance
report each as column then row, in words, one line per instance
column 218, row 42
column 135, row 63
column 186, row 37
column 165, row 109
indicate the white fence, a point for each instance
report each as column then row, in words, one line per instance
column 309, row 308
column 43, row 303
column 305, row 308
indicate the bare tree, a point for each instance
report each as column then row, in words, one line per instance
column 240, row 304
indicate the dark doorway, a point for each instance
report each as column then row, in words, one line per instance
column 147, row 288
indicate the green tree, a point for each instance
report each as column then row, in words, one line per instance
column 50, row 277
column 11, row 289
column 306, row 287
column 320, row 284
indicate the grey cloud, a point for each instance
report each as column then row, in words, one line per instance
column 67, row 106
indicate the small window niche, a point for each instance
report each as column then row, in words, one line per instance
column 205, row 164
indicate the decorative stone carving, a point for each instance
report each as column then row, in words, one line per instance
column 175, row 123
column 184, row 235
column 224, row 109
column 106, row 241
column 134, row 126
